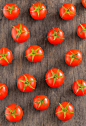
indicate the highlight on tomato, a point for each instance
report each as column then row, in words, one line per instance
column 81, row 31
column 65, row 111
column 84, row 3
column 6, row 56
column 41, row 102
column 20, row 33
column 26, row 83
column 54, row 78
column 11, row 11
column 38, row 11
column 67, row 11
column 55, row 36
column 13, row 113
column 34, row 53
column 3, row 91
column 73, row 57
column 79, row 87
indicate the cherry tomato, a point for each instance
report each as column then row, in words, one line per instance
column 13, row 113
column 67, row 11
column 79, row 87
column 81, row 31
column 55, row 36
column 41, row 102
column 84, row 3
column 38, row 11
column 10, row 11
column 65, row 111
column 73, row 57
column 5, row 56
column 26, row 83
column 54, row 78
column 34, row 53
column 3, row 91
column 20, row 33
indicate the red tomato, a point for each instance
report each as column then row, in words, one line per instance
column 67, row 11
column 34, row 53
column 41, row 102
column 54, row 78
column 13, row 113
column 79, row 87
column 5, row 56
column 10, row 11
column 65, row 111
column 20, row 33
column 81, row 31
column 73, row 57
column 38, row 11
column 84, row 3
column 3, row 91
column 26, row 83
column 55, row 36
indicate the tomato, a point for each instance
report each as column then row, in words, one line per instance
column 67, row 11
column 13, row 113
column 73, row 57
column 10, row 11
column 34, row 53
column 84, row 3
column 3, row 91
column 54, row 78
column 81, row 31
column 20, row 33
column 5, row 56
column 55, row 36
column 38, row 11
column 41, row 102
column 26, row 83
column 79, row 87
column 65, row 111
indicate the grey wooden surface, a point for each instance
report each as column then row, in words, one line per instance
column 54, row 57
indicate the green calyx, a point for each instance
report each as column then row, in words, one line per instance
column 55, row 35
column 84, row 29
column 19, row 31
column 67, row 11
column 10, row 8
column 55, row 76
column 73, row 56
column 80, row 87
column 64, row 110
column 37, row 9
column 12, row 112
column 1, row 86
column 27, row 83
column 3, row 56
column 33, row 53
column 40, row 102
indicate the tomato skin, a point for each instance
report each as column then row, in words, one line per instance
column 57, row 40
column 24, row 35
column 19, row 111
column 42, row 13
column 67, row 16
column 79, row 29
column 68, row 115
column 75, row 88
column 58, row 81
column 42, row 107
column 37, row 58
column 3, row 91
column 20, row 84
column 9, row 56
column 75, row 61
column 13, row 14
column 84, row 3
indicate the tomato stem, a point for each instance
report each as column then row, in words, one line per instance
column 10, row 8
column 40, row 102
column 80, row 86
column 3, row 56
column 67, row 11
column 84, row 29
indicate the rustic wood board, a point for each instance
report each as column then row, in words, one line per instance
column 54, row 57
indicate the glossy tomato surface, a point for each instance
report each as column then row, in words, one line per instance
column 81, row 31
column 3, row 91
column 84, row 3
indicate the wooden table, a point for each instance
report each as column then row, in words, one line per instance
column 53, row 58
